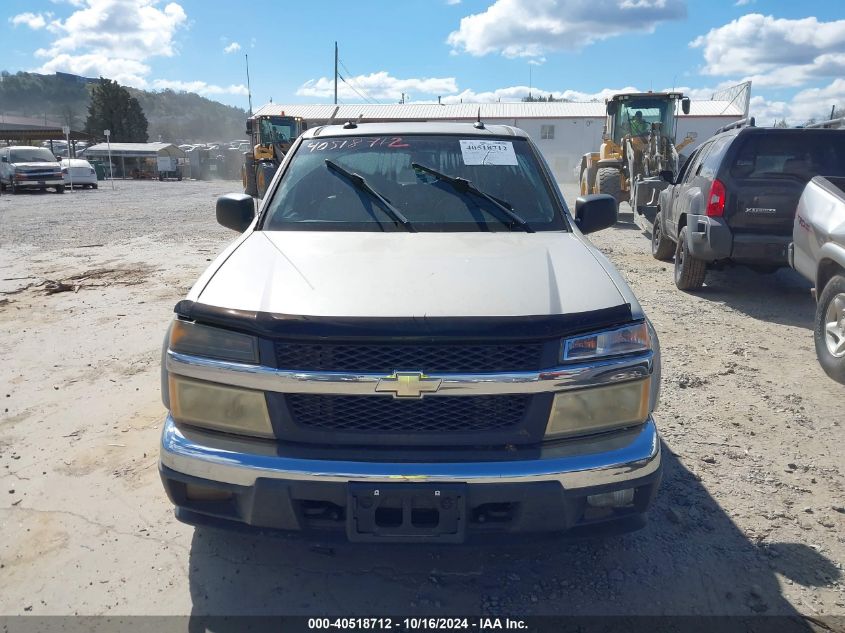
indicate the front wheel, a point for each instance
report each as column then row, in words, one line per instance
column 689, row 271
column 829, row 332
column 585, row 182
column 610, row 182
column 662, row 247
column 60, row 189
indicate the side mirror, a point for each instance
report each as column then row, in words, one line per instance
column 612, row 108
column 595, row 212
column 685, row 105
column 667, row 176
column 235, row 211
column 249, row 128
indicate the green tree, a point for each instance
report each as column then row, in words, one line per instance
column 113, row 108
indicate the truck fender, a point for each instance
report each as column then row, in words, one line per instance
column 831, row 262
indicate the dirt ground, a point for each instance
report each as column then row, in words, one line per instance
column 750, row 518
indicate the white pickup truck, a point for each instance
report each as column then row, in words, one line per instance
column 412, row 340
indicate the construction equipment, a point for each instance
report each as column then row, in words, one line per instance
column 638, row 155
column 271, row 137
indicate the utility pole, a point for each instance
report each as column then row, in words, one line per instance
column 248, row 89
column 335, row 73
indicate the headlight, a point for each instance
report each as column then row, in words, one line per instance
column 624, row 340
column 583, row 411
column 219, row 407
column 212, row 342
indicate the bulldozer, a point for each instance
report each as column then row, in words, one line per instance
column 271, row 136
column 638, row 156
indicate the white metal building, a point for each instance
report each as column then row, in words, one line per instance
column 564, row 131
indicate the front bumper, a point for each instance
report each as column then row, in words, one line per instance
column 284, row 487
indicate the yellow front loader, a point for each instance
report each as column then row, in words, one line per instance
column 638, row 154
column 270, row 137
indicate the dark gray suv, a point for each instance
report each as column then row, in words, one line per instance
column 734, row 200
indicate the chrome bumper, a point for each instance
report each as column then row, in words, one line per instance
column 608, row 459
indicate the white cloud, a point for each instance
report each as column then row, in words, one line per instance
column 453, row 2
column 528, row 28
column 742, row 3
column 232, row 48
column 774, row 52
column 380, row 85
column 200, row 87
column 811, row 103
column 130, row 72
column 517, row 93
column 112, row 38
column 32, row 20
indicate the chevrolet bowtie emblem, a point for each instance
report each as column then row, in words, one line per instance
column 408, row 384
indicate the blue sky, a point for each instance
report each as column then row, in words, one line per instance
column 471, row 50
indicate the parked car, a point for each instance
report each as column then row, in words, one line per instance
column 734, row 200
column 24, row 167
column 79, row 172
column 397, row 349
column 818, row 253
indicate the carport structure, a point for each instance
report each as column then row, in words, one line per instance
column 27, row 130
column 139, row 154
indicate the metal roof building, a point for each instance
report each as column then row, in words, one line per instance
column 134, row 150
column 564, row 131
column 469, row 111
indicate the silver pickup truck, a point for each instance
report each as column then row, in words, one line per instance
column 412, row 341
column 818, row 253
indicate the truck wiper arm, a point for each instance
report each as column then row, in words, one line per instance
column 363, row 185
column 465, row 186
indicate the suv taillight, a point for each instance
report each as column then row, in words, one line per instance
column 716, row 199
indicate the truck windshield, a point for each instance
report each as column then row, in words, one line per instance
column 31, row 155
column 277, row 130
column 312, row 197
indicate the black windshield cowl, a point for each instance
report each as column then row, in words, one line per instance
column 361, row 183
column 465, row 186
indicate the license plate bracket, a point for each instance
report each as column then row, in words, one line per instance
column 406, row 512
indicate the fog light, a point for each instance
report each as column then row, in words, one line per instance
column 201, row 493
column 616, row 499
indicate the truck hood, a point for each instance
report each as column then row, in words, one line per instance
column 409, row 275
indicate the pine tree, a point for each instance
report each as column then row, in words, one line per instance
column 113, row 108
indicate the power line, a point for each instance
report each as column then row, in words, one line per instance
column 366, row 99
column 354, row 85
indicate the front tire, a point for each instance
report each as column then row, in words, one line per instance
column 610, row 182
column 662, row 247
column 689, row 271
column 60, row 189
column 829, row 332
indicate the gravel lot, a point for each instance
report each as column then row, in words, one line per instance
column 749, row 519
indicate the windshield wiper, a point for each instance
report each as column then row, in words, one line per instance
column 363, row 185
column 465, row 186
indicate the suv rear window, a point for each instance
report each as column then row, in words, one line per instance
column 313, row 197
column 795, row 155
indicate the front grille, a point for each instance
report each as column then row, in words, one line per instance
column 387, row 414
column 389, row 357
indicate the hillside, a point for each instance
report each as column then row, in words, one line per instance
column 173, row 116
